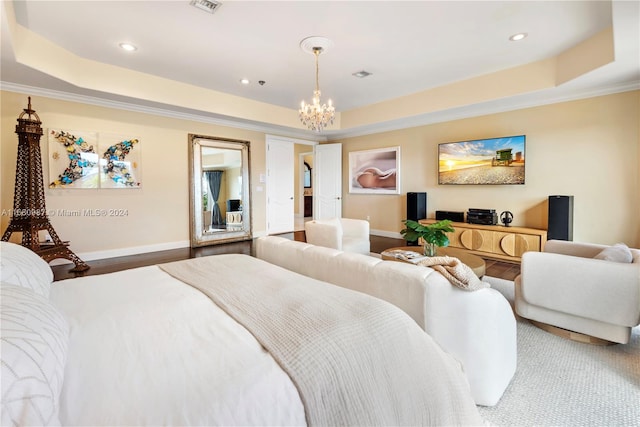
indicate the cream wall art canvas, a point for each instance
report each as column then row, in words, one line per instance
column 375, row 171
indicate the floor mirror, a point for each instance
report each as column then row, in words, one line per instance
column 220, row 201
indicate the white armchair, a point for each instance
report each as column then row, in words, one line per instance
column 345, row 234
column 566, row 287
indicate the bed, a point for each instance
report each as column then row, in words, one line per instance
column 219, row 340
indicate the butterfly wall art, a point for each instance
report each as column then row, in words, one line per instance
column 85, row 160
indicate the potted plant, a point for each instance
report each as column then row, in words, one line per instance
column 434, row 235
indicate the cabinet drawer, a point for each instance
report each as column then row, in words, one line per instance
column 514, row 244
column 494, row 240
column 476, row 240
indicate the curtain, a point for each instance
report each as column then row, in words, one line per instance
column 214, row 178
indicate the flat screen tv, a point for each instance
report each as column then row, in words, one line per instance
column 491, row 161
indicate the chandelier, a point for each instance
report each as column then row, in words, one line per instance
column 316, row 116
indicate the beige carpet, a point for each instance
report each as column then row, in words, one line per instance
column 564, row 383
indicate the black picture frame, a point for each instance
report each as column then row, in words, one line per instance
column 307, row 175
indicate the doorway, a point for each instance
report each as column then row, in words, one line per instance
column 285, row 185
column 304, row 187
column 326, row 181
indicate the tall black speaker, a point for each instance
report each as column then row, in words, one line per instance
column 416, row 208
column 560, row 218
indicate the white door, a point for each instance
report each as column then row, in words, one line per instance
column 327, row 181
column 280, row 184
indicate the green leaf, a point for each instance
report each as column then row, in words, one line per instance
column 432, row 233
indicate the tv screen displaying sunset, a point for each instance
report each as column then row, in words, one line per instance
column 482, row 161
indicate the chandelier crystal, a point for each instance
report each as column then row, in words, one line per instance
column 316, row 116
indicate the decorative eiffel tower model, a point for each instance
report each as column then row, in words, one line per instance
column 29, row 211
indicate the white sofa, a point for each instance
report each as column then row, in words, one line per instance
column 478, row 327
column 582, row 287
column 345, row 234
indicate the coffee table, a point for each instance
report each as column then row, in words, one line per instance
column 473, row 261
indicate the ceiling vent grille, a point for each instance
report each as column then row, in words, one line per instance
column 207, row 5
column 361, row 74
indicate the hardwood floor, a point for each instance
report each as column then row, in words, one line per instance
column 110, row 265
column 504, row 270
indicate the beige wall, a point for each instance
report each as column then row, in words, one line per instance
column 587, row 148
column 234, row 184
column 158, row 213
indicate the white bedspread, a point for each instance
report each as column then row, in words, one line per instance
column 355, row 359
column 146, row 349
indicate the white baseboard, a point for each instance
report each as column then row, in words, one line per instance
column 134, row 250
column 383, row 233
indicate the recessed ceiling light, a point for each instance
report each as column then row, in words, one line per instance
column 128, row 47
column 245, row 81
column 361, row 74
column 518, row 37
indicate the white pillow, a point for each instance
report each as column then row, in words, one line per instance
column 22, row 267
column 33, row 350
column 616, row 253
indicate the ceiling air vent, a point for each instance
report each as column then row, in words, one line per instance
column 206, row 5
column 361, row 74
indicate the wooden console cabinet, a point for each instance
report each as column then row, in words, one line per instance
column 495, row 241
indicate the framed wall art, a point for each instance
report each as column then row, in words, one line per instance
column 119, row 161
column 375, row 171
column 73, row 159
column 85, row 160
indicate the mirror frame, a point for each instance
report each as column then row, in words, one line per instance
column 307, row 170
column 196, row 221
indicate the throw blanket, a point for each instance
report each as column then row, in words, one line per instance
column 355, row 359
column 458, row 273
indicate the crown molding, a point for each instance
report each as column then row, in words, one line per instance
column 535, row 99
column 163, row 112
